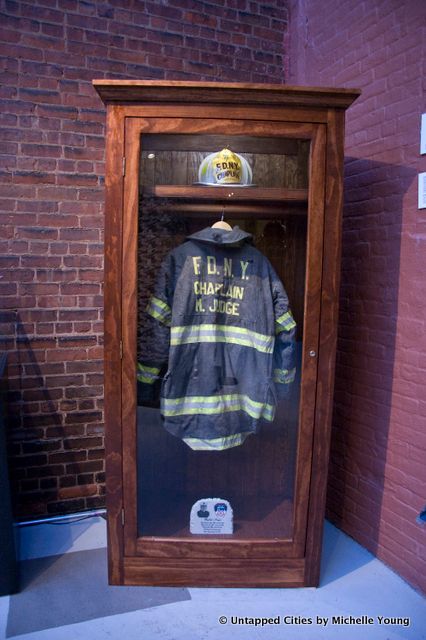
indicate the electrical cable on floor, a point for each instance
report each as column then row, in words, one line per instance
column 72, row 520
column 63, row 519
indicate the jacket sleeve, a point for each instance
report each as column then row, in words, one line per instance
column 155, row 343
column 284, row 359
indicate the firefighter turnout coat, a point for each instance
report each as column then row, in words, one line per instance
column 222, row 327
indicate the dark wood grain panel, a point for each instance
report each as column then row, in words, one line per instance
column 311, row 317
column 202, row 125
column 243, row 112
column 328, row 339
column 221, row 92
column 211, row 143
column 228, row 194
column 129, row 319
column 211, row 573
column 112, row 329
column 227, row 546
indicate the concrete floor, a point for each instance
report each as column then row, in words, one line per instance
column 353, row 583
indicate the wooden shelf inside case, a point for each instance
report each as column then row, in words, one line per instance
column 262, row 202
column 228, row 194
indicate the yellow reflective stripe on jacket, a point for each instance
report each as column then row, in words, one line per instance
column 284, row 376
column 285, row 322
column 216, row 444
column 159, row 310
column 147, row 374
column 222, row 333
column 210, row 405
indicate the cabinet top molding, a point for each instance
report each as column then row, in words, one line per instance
column 148, row 91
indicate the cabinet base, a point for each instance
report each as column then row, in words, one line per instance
column 213, row 573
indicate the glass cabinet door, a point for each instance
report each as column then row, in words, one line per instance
column 222, row 328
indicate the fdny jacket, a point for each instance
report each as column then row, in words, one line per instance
column 222, row 326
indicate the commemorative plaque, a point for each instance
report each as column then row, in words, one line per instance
column 211, row 516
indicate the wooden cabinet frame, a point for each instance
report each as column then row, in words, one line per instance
column 139, row 108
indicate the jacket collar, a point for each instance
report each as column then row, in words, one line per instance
column 221, row 236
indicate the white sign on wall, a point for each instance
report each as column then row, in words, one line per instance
column 422, row 190
column 423, row 134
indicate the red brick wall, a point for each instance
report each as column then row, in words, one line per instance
column 378, row 480
column 52, row 165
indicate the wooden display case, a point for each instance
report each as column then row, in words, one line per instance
column 157, row 135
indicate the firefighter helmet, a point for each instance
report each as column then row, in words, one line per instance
column 225, row 167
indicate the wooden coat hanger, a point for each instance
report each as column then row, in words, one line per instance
column 221, row 224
